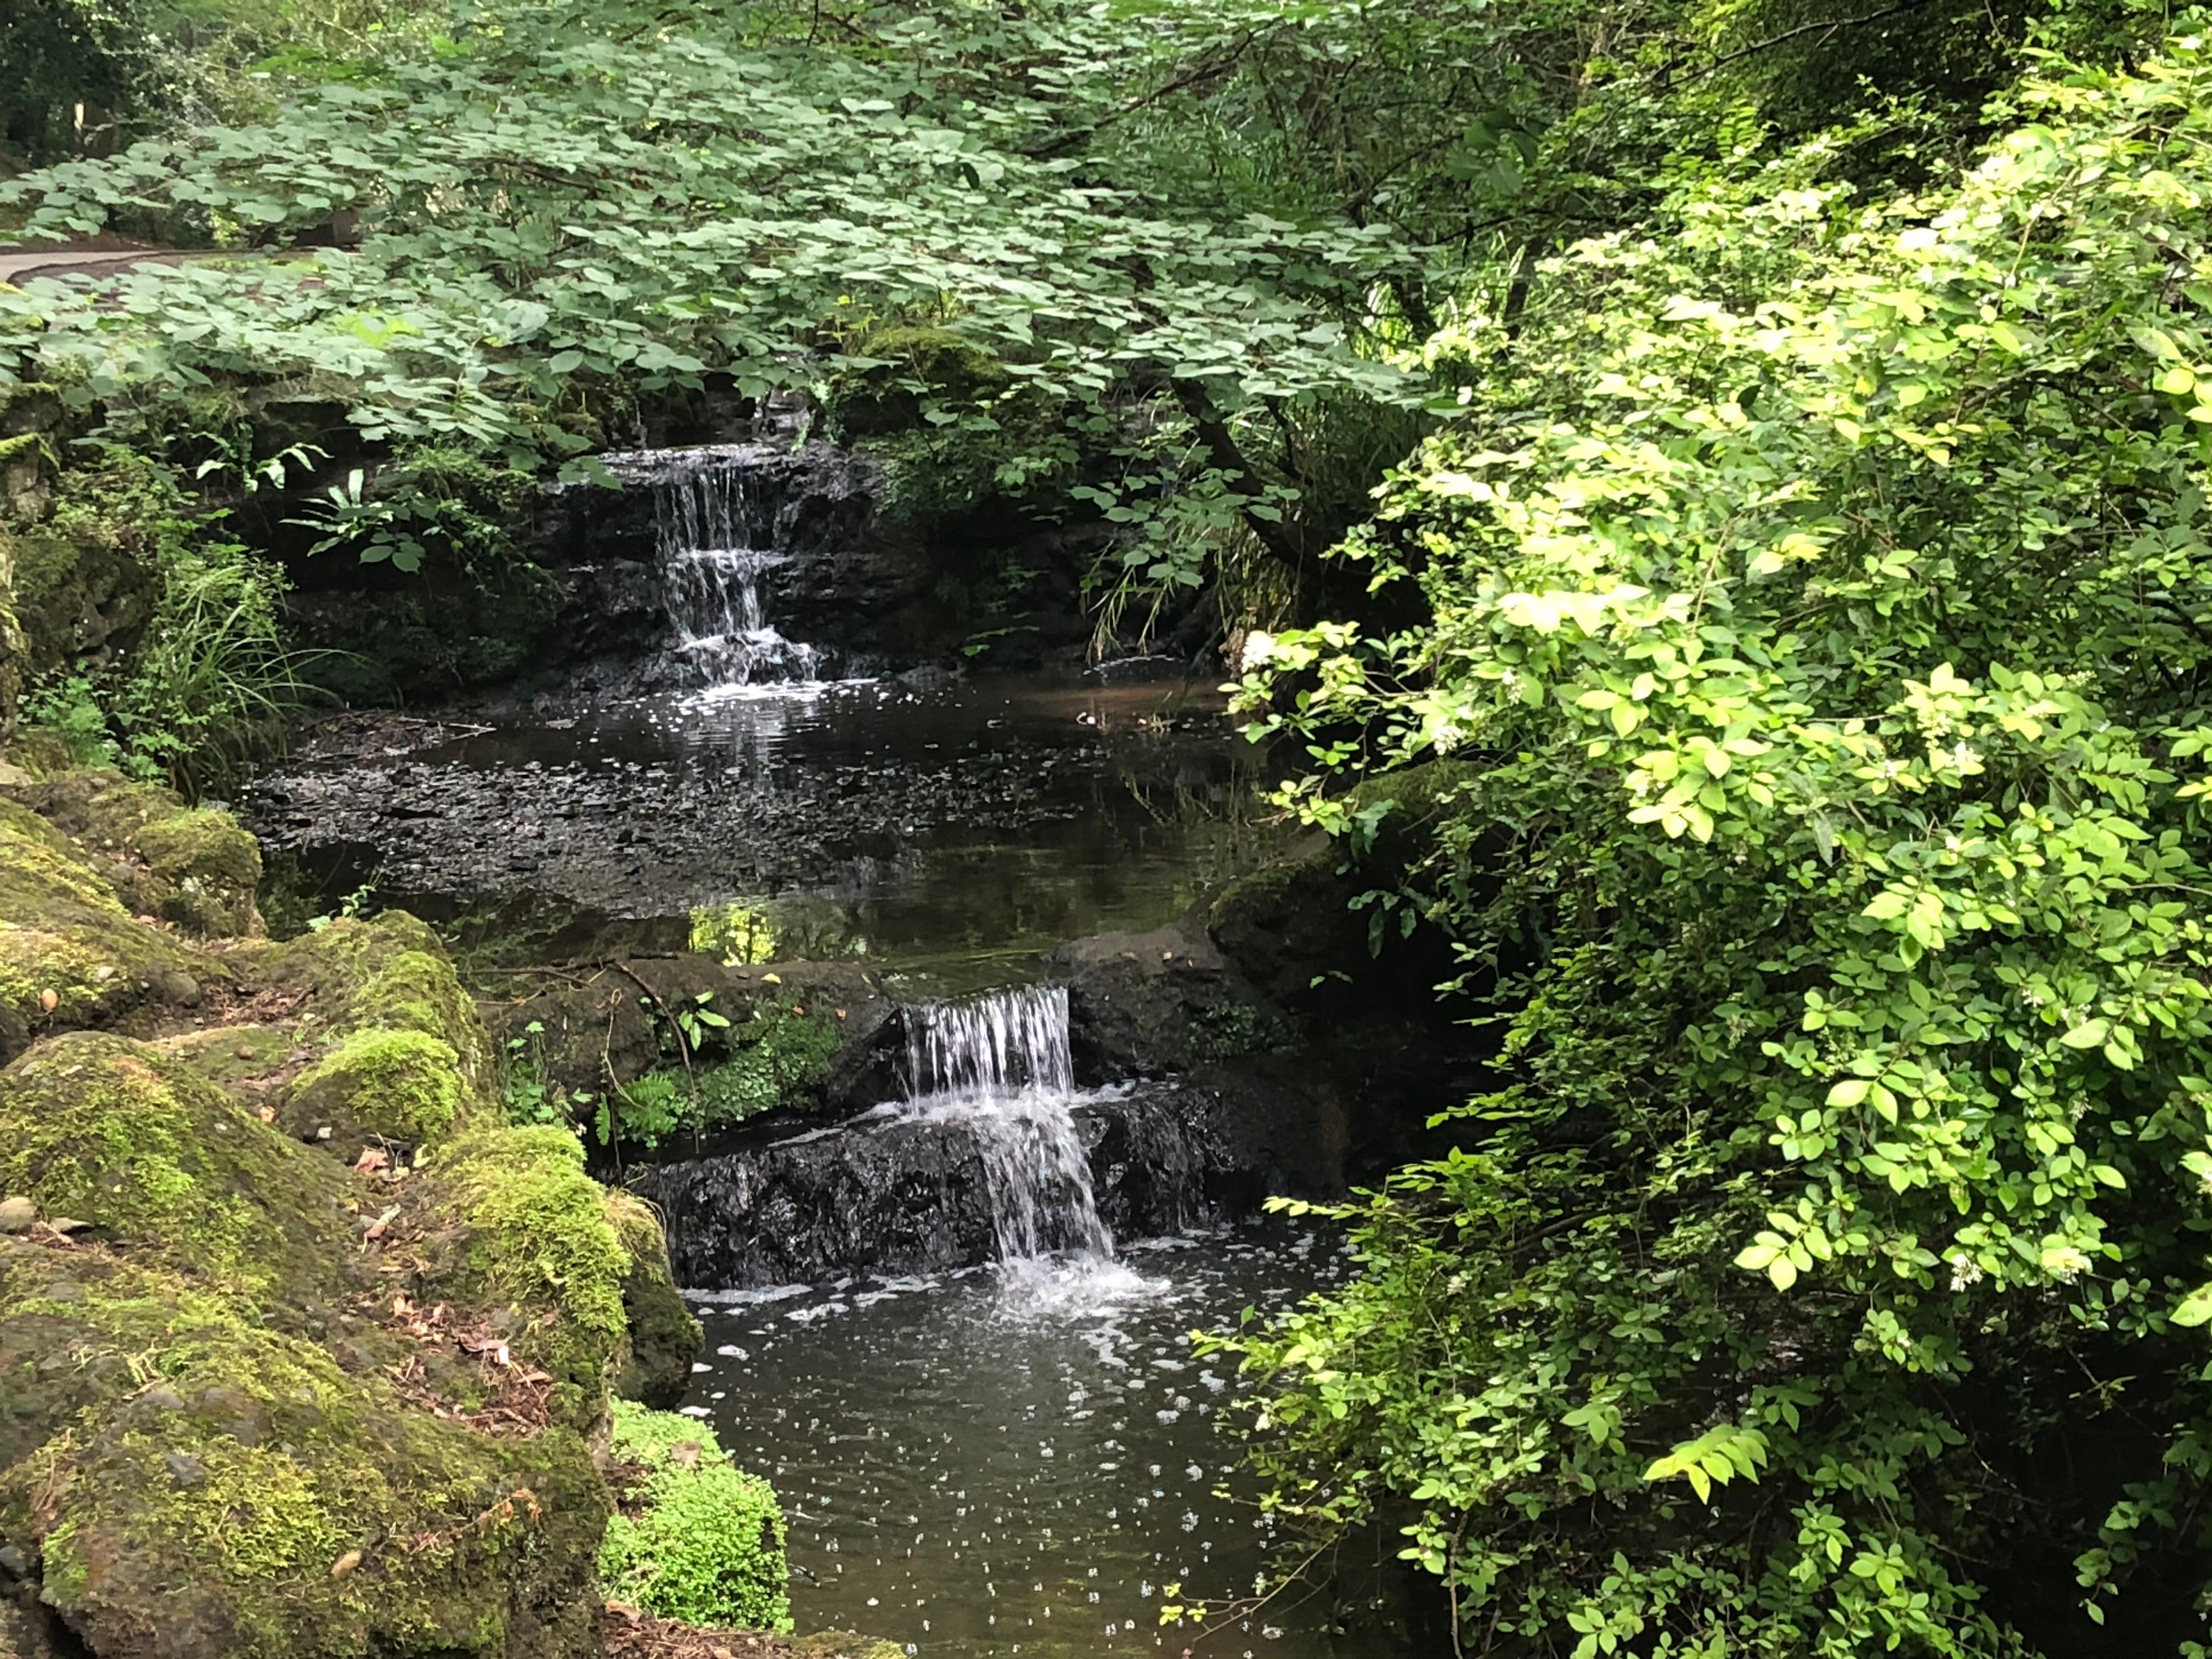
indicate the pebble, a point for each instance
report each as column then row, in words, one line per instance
column 184, row 1469
column 16, row 1214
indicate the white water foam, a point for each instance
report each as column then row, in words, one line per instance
column 716, row 547
column 1000, row 1065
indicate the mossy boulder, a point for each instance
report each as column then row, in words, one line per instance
column 388, row 972
column 195, row 867
column 913, row 364
column 205, row 870
column 663, row 1337
column 132, row 1142
column 696, row 1538
column 377, row 1084
column 207, row 1488
column 71, row 955
column 510, row 1221
column 77, row 600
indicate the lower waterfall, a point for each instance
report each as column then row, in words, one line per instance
column 1000, row 1063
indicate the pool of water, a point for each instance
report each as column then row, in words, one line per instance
column 948, row 834
column 1021, row 1461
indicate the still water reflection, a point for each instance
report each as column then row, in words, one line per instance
column 945, row 833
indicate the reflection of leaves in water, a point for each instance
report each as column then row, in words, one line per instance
column 737, row 930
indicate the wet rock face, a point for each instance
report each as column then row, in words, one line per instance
column 895, row 1193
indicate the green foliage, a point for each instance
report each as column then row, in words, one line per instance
column 544, row 245
column 706, row 1543
column 524, row 1092
column 200, row 689
column 735, row 931
column 1820, row 588
column 771, row 1058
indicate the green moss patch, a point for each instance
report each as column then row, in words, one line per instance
column 402, row 1085
column 206, row 869
column 70, row 953
column 702, row 1540
column 389, row 971
column 133, row 1142
column 511, row 1217
column 236, row 1491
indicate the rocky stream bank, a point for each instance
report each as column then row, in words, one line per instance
column 304, row 1349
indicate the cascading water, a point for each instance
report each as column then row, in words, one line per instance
column 716, row 545
column 1000, row 1064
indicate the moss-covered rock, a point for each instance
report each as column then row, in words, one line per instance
column 381, row 1083
column 197, row 868
column 202, row 1487
column 206, row 870
column 129, row 1140
column 913, row 363
column 389, row 972
column 663, row 1336
column 510, row 1220
column 71, row 955
column 697, row 1538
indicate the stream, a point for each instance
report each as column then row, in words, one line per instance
column 1012, row 1456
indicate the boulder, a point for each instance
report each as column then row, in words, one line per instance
column 665, row 1339
column 146, row 1153
column 71, row 955
column 195, row 867
column 253, row 1500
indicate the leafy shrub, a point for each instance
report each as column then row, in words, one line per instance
column 203, row 688
column 705, row 1542
column 1818, row 594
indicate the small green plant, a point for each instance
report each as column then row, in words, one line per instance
column 71, row 709
column 352, row 905
column 695, row 1021
column 643, row 1112
column 529, row 1095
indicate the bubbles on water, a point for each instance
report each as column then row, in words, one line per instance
column 981, row 1429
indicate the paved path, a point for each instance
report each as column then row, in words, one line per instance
column 17, row 263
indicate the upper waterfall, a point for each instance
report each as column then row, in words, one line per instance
column 717, row 546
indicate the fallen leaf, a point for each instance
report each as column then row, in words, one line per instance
column 50, row 1000
column 685, row 1452
column 267, row 1114
column 376, row 1227
column 345, row 1563
column 771, row 979
column 840, row 1012
column 796, row 1009
column 61, row 1224
column 372, row 1159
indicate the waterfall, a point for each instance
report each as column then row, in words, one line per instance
column 1000, row 1063
column 717, row 543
